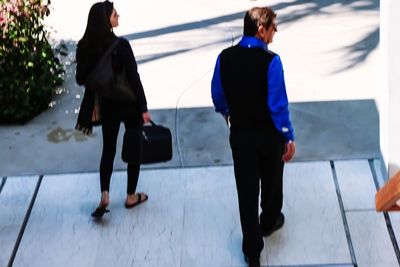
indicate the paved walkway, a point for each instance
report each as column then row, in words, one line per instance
column 191, row 219
column 329, row 50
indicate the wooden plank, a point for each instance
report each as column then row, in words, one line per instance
column 388, row 195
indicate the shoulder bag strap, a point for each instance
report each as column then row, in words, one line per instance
column 111, row 48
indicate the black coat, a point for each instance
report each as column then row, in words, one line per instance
column 122, row 57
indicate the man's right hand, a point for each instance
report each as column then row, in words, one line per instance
column 290, row 150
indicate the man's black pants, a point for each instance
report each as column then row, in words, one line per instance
column 257, row 156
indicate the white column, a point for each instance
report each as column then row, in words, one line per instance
column 394, row 86
column 389, row 91
column 383, row 89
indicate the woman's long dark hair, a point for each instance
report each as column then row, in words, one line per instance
column 98, row 35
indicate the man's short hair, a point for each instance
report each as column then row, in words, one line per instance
column 255, row 17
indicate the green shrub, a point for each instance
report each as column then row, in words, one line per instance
column 29, row 68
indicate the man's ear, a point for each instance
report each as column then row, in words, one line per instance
column 260, row 31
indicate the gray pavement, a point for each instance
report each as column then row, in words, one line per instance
column 333, row 110
column 330, row 55
column 191, row 219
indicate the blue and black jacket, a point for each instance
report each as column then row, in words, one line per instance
column 248, row 85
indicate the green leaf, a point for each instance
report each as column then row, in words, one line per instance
column 28, row 79
column 22, row 39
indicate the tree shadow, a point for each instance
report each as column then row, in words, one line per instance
column 319, row 7
column 156, row 56
column 360, row 50
column 356, row 53
column 185, row 26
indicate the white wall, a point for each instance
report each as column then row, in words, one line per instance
column 394, row 87
column 389, row 91
column 383, row 89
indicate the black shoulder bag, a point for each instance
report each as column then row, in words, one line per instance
column 106, row 83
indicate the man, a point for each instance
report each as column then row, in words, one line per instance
column 248, row 89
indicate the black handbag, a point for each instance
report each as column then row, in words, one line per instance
column 106, row 83
column 154, row 143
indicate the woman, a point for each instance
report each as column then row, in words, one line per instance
column 98, row 37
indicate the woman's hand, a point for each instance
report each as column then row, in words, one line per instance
column 96, row 117
column 146, row 117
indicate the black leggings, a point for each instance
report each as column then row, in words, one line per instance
column 112, row 116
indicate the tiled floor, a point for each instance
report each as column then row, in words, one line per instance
column 15, row 196
column 191, row 219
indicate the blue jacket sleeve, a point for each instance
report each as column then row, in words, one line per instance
column 217, row 92
column 277, row 99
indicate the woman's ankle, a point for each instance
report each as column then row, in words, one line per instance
column 105, row 198
column 131, row 196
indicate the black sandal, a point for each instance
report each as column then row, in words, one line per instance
column 99, row 212
column 138, row 202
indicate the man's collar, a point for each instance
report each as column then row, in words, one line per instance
column 252, row 42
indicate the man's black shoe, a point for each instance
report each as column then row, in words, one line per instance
column 278, row 224
column 252, row 261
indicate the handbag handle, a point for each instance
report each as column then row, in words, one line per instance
column 152, row 123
